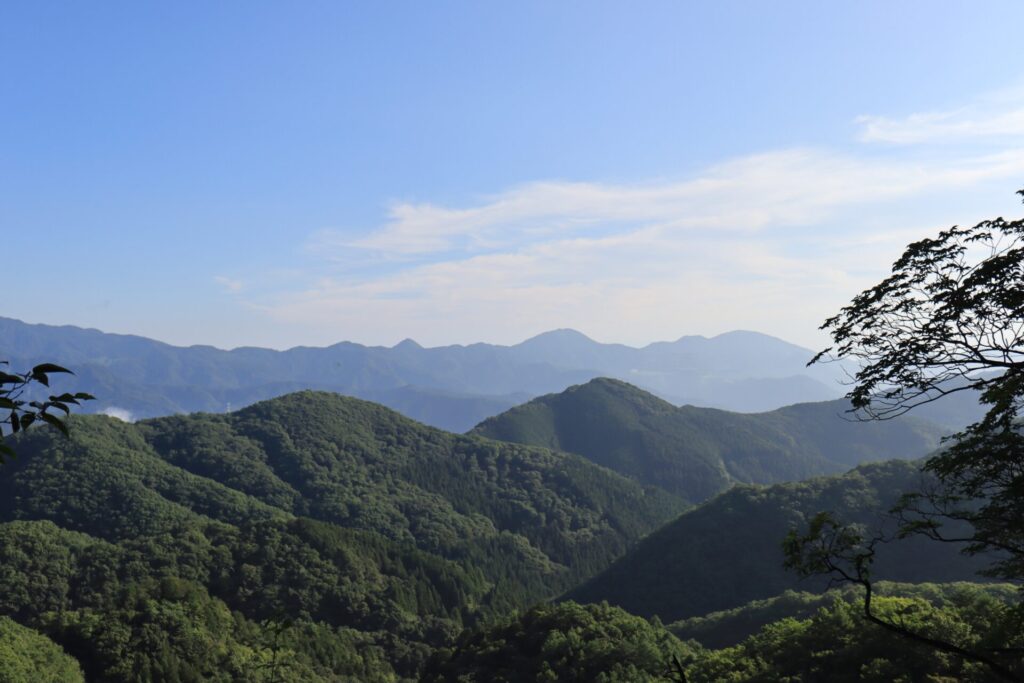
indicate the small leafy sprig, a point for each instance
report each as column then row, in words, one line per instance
column 22, row 413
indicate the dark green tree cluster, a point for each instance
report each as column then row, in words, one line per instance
column 27, row 656
column 563, row 642
column 726, row 628
column 839, row 644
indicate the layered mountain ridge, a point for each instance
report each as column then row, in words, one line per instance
column 452, row 387
column 383, row 535
column 695, row 452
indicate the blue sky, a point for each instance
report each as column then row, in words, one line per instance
column 245, row 173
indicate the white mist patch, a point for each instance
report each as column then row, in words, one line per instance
column 122, row 414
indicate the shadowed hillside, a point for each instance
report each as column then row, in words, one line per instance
column 728, row 551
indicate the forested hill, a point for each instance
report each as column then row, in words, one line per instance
column 452, row 387
column 728, row 551
column 698, row 452
column 130, row 544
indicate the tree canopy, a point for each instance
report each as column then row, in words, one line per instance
column 949, row 318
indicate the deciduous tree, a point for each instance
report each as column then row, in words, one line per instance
column 950, row 318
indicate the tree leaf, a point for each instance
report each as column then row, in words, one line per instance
column 50, row 367
column 59, row 406
column 55, row 421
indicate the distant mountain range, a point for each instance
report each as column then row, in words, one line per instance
column 452, row 387
column 695, row 452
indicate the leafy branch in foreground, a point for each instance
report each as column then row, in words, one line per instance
column 949, row 318
column 22, row 412
column 846, row 554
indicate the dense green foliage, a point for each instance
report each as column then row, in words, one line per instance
column 728, row 551
column 320, row 538
column 807, row 638
column 730, row 627
column 160, row 550
column 30, row 657
column 838, row 644
column 564, row 642
column 698, row 452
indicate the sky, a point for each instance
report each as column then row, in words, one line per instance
column 280, row 174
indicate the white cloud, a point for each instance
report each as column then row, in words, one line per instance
column 796, row 187
column 997, row 116
column 774, row 242
column 122, row 414
column 230, row 285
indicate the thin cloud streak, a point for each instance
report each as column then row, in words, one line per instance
column 772, row 242
column 229, row 284
column 796, row 187
column 999, row 116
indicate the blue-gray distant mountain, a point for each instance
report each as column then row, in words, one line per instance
column 453, row 387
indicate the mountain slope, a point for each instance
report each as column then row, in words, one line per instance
column 728, row 551
column 698, row 452
column 343, row 461
column 333, row 511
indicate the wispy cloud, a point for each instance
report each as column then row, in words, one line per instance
column 795, row 187
column 230, row 285
column 997, row 116
column 122, row 414
column 772, row 241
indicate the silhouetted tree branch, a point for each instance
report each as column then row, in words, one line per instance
column 949, row 318
column 22, row 413
column 843, row 553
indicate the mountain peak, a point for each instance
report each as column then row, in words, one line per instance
column 407, row 344
column 561, row 335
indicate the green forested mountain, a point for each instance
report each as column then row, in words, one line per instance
column 728, row 551
column 316, row 537
column 698, row 452
column 177, row 549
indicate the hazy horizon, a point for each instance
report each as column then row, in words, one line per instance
column 406, row 339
